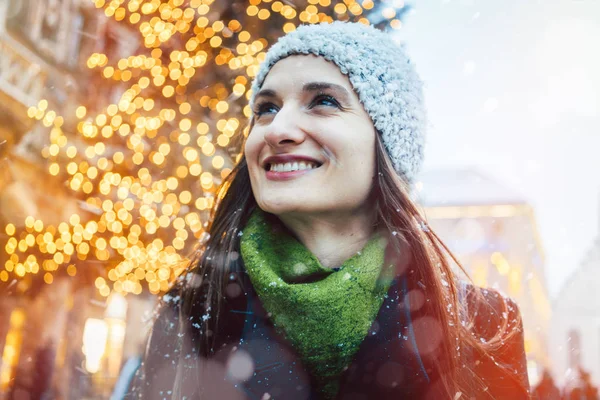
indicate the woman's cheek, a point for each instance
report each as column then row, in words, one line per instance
column 251, row 151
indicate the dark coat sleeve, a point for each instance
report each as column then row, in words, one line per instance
column 156, row 374
column 503, row 370
column 172, row 348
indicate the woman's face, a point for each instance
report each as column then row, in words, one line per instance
column 312, row 146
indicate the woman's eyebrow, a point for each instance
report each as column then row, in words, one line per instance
column 310, row 87
column 266, row 93
column 318, row 86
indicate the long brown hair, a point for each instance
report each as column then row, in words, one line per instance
column 201, row 289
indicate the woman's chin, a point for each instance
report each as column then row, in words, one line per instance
column 297, row 206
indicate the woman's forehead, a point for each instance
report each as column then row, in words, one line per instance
column 295, row 71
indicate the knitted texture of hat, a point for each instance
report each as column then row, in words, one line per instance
column 380, row 72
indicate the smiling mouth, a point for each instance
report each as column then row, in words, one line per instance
column 292, row 166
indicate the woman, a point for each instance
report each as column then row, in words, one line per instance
column 320, row 279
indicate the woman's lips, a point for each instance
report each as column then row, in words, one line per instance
column 286, row 176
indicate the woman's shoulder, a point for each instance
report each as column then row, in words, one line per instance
column 495, row 321
column 490, row 311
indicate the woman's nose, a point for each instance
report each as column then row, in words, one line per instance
column 284, row 129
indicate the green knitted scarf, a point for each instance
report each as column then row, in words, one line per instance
column 323, row 313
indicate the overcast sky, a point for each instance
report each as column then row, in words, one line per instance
column 513, row 88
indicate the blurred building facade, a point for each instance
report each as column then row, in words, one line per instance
column 576, row 321
column 52, row 327
column 493, row 233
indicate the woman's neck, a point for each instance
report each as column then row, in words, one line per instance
column 332, row 238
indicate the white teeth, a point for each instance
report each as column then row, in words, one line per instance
column 295, row 166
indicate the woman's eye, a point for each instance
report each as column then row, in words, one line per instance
column 325, row 100
column 264, row 108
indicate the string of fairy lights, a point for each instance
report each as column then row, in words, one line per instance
column 147, row 166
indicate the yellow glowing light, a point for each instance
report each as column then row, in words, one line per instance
column 340, row 8
column 206, row 178
column 185, row 124
column 216, row 41
column 195, row 169
column 48, row 278
column 19, row 269
column 30, row 240
column 191, row 154
column 168, row 91
column 264, row 14
column 201, row 140
column 218, row 162
column 29, row 221
column 501, row 263
column 43, row 105
column 208, row 149
column 244, row 36
column 222, row 140
column 185, row 108
column 38, row 226
column 202, row 128
column 158, row 158
column 172, row 183
column 222, row 107
column 183, row 139
column 289, row 27
column 185, row 197
column 368, row 4
column 74, row 220
column 10, row 229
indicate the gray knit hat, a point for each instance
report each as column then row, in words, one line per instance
column 380, row 72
